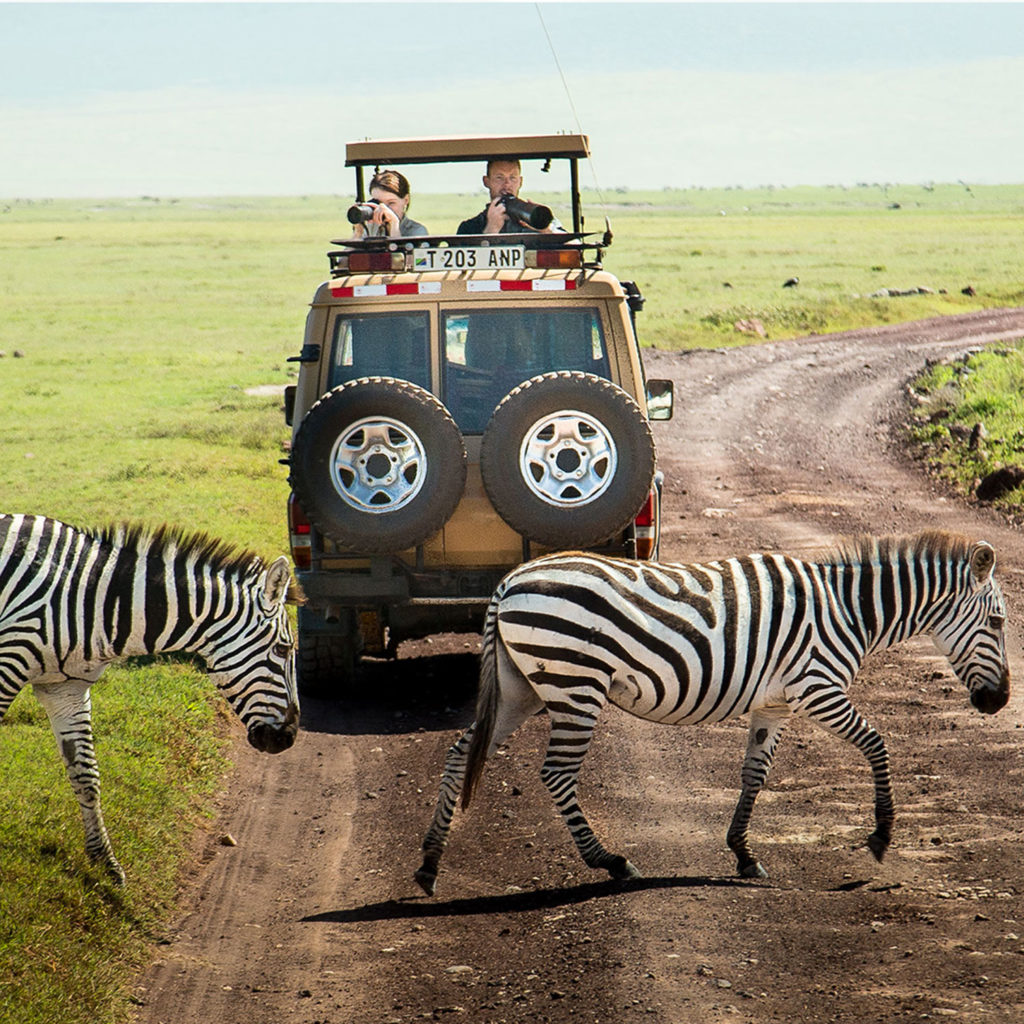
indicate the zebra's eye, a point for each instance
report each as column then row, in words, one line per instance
column 282, row 650
column 996, row 621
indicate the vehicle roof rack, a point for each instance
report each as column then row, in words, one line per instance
column 593, row 242
column 463, row 148
column 530, row 239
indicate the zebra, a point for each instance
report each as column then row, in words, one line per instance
column 74, row 600
column 767, row 635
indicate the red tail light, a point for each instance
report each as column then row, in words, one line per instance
column 361, row 262
column 300, row 533
column 645, row 517
column 645, row 528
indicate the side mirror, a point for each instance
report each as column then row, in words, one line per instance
column 659, row 399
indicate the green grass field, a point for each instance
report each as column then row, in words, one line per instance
column 131, row 331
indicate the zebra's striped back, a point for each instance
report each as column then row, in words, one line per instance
column 676, row 643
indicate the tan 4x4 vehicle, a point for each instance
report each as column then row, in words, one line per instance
column 464, row 403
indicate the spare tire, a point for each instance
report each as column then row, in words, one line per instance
column 567, row 459
column 378, row 465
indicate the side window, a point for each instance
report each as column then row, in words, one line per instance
column 488, row 353
column 381, row 345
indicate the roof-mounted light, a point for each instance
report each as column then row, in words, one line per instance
column 555, row 259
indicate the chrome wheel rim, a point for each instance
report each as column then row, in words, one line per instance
column 568, row 459
column 378, row 465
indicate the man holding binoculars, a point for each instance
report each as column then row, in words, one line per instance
column 506, row 212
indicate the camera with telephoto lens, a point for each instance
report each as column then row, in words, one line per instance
column 538, row 217
column 360, row 213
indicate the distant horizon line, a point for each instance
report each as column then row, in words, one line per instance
column 177, row 196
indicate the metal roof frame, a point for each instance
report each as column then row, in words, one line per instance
column 464, row 148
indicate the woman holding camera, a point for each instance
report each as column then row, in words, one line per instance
column 385, row 213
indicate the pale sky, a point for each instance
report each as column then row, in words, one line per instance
column 126, row 99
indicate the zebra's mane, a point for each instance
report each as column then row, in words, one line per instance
column 220, row 555
column 863, row 548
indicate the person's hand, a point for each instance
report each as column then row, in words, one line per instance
column 383, row 214
column 496, row 217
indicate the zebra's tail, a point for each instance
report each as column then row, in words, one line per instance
column 486, row 704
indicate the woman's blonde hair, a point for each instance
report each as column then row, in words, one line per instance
column 392, row 181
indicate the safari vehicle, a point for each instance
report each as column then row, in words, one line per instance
column 464, row 403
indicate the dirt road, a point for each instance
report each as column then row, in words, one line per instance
column 313, row 917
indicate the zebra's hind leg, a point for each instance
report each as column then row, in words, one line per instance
column 762, row 740
column 571, row 733
column 518, row 703
column 69, row 709
column 436, row 838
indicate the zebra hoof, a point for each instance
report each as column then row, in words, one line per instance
column 113, row 870
column 426, row 880
column 752, row 870
column 622, row 870
column 877, row 845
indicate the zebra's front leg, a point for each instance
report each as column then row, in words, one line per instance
column 69, row 709
column 762, row 739
column 436, row 838
column 834, row 710
column 870, row 743
column 568, row 745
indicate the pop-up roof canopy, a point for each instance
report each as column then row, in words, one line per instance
column 456, row 149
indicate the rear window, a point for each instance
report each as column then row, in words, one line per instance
column 488, row 353
column 381, row 345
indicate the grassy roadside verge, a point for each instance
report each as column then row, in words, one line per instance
column 968, row 424
column 68, row 938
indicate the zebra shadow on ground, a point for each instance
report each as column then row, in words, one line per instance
column 388, row 697
column 418, row 907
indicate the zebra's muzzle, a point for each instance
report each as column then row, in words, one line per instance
column 273, row 737
column 990, row 699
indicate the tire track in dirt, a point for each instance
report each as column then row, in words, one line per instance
column 222, row 957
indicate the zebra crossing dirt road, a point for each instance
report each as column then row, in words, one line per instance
column 314, row 915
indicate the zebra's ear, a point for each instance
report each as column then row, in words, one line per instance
column 277, row 582
column 983, row 561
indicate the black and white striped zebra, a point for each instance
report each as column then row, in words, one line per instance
column 72, row 601
column 766, row 635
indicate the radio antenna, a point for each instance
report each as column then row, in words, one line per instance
column 568, row 96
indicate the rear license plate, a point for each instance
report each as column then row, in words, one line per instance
column 470, row 257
